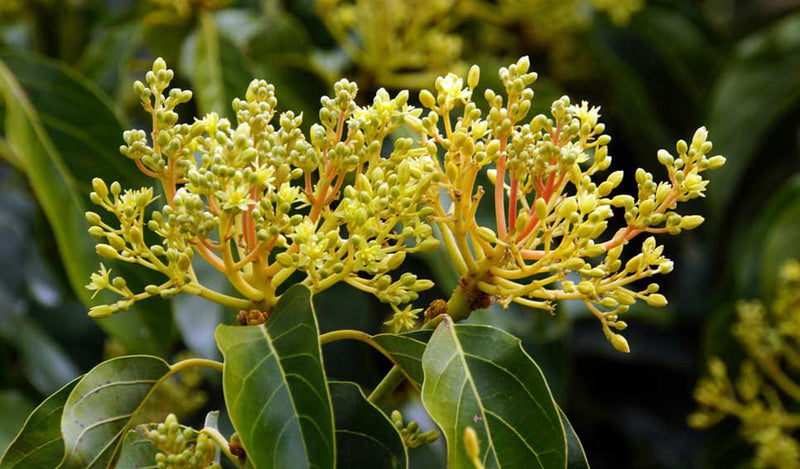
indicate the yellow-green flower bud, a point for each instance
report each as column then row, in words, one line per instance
column 100, row 187
column 471, row 444
column 487, row 234
column 587, row 288
column 657, row 300
column 395, row 260
column 567, row 207
column 429, row 245
column 716, row 162
column 691, row 222
column 473, row 76
column 427, row 99
column 97, row 232
column 106, row 251
column 541, row 209
column 620, row 343
column 101, row 311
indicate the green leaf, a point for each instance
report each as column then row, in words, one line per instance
column 748, row 101
column 66, row 133
column 275, row 388
column 39, row 444
column 406, row 350
column 576, row 458
column 137, row 452
column 480, row 377
column 100, row 408
column 217, row 69
column 365, row 437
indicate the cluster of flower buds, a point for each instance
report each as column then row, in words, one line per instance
column 419, row 34
column 412, row 436
column 757, row 395
column 181, row 447
column 260, row 200
column 551, row 211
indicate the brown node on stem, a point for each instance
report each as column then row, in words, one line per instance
column 476, row 298
column 254, row 317
column 237, row 449
column 436, row 308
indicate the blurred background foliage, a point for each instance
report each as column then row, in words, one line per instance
column 658, row 68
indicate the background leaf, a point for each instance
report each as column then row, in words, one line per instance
column 39, row 444
column 66, row 134
column 275, row 389
column 217, row 69
column 365, row 437
column 100, row 408
column 480, row 377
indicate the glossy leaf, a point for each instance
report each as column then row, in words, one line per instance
column 406, row 350
column 67, row 133
column 480, row 377
column 136, row 451
column 365, row 437
column 275, row 388
column 576, row 458
column 217, row 69
column 100, row 408
column 39, row 444
column 748, row 100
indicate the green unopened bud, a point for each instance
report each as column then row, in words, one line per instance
column 284, row 259
column 106, row 251
column 100, row 187
column 101, row 311
column 594, row 250
column 587, row 288
column 427, row 99
column 92, row 218
column 567, row 207
column 97, row 232
column 487, row 234
column 716, row 162
column 135, row 235
column 665, row 158
column 429, row 245
column 657, row 300
column 541, row 208
column 395, row 260
column 473, row 76
column 471, row 443
column 620, row 343
column 691, row 222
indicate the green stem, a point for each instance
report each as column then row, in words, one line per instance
column 343, row 334
column 220, row 440
column 389, row 383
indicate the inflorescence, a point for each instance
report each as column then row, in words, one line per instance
column 260, row 200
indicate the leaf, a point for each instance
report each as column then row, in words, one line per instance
column 39, row 444
column 15, row 408
column 107, row 58
column 576, row 458
column 748, row 101
column 406, row 349
column 480, row 377
column 137, row 452
column 66, row 133
column 275, row 389
column 46, row 363
column 365, row 437
column 100, row 408
column 217, row 69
